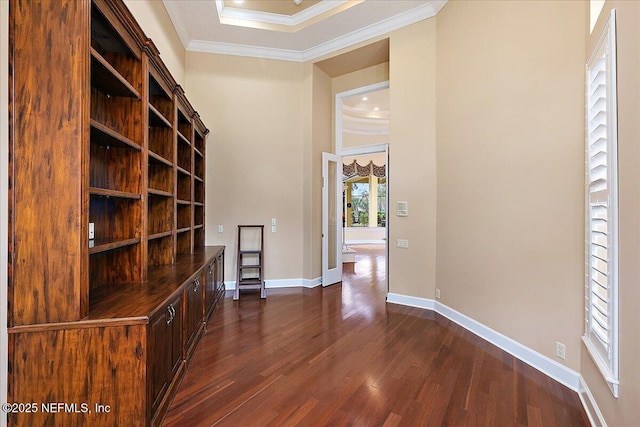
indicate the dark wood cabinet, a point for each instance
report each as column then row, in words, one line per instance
column 101, row 138
column 219, row 276
column 193, row 296
column 214, row 284
column 165, row 352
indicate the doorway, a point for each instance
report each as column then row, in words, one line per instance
column 365, row 214
column 362, row 134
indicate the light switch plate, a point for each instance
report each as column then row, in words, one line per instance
column 402, row 208
column 402, row 243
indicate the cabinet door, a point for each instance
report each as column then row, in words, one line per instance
column 194, row 312
column 164, row 356
column 210, row 288
column 175, row 337
column 219, row 276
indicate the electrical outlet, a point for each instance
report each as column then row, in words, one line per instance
column 402, row 243
column 437, row 293
column 273, row 228
column 560, row 350
column 92, row 233
column 220, row 229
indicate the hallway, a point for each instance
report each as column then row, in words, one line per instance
column 342, row 356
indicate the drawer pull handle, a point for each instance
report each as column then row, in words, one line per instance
column 172, row 313
column 196, row 285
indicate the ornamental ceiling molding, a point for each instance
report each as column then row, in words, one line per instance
column 365, row 125
column 366, row 113
column 278, row 22
column 365, row 121
column 381, row 28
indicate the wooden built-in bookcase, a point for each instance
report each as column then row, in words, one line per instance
column 101, row 134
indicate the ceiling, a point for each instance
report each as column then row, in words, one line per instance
column 281, row 29
column 279, row 7
column 366, row 114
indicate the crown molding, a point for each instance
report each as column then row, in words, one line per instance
column 409, row 17
column 386, row 26
column 365, row 126
column 366, row 132
column 356, row 112
column 205, row 46
column 275, row 18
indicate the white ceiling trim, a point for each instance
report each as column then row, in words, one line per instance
column 420, row 13
column 350, row 131
column 371, row 121
column 364, row 112
column 205, row 46
column 275, row 18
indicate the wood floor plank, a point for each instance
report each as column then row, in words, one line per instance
column 342, row 356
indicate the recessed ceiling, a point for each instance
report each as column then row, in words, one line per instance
column 280, row 15
column 279, row 7
column 281, row 29
column 366, row 114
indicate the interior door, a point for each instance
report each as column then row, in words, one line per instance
column 331, row 219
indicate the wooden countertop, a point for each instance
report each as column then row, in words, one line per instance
column 135, row 303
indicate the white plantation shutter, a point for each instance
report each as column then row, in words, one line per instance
column 601, row 307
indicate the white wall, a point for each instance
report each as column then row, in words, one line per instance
column 4, row 163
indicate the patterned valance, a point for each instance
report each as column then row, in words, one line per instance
column 355, row 169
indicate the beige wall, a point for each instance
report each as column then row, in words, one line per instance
column 155, row 22
column 412, row 159
column 257, row 113
column 510, row 152
column 4, row 160
column 625, row 410
column 365, row 77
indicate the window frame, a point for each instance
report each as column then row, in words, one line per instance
column 605, row 358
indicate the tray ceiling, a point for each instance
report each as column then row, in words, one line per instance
column 281, row 29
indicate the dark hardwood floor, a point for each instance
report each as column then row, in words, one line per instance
column 341, row 356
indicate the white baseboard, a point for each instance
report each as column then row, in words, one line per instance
column 230, row 285
column 312, row 283
column 544, row 364
column 590, row 406
column 427, row 304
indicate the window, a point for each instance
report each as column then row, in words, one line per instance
column 601, row 284
column 366, row 196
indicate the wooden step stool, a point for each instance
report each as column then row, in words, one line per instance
column 250, row 260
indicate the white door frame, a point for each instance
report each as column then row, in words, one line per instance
column 362, row 150
column 331, row 275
